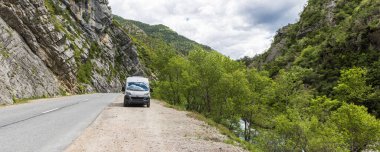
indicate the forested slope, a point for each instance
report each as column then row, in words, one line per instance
column 316, row 89
column 330, row 37
column 161, row 32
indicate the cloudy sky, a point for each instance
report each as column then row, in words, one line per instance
column 236, row 28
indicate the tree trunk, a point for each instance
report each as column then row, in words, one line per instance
column 208, row 101
column 245, row 130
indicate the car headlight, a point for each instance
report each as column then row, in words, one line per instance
column 147, row 94
column 128, row 93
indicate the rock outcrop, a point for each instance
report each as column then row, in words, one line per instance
column 49, row 47
column 283, row 39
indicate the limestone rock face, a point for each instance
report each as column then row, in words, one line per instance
column 276, row 49
column 282, row 38
column 48, row 47
column 22, row 73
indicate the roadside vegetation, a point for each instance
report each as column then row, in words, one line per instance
column 321, row 94
column 277, row 114
column 26, row 100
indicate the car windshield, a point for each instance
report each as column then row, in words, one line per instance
column 137, row 86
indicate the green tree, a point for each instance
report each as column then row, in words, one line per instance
column 175, row 70
column 258, row 112
column 292, row 130
column 235, row 91
column 352, row 85
column 210, row 69
column 290, row 91
column 360, row 130
column 325, row 138
column 322, row 107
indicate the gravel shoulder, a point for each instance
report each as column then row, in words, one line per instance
column 157, row 128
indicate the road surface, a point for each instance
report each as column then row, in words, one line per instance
column 49, row 125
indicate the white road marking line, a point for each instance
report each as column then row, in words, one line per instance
column 50, row 110
column 60, row 108
column 78, row 102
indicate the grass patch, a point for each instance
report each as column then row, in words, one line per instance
column 63, row 92
column 84, row 66
column 2, row 105
column 4, row 52
column 84, row 72
column 26, row 100
column 53, row 10
column 179, row 108
column 81, row 89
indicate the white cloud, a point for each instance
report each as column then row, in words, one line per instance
column 235, row 28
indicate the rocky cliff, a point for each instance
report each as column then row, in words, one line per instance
column 52, row 47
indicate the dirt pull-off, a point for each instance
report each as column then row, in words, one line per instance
column 156, row 128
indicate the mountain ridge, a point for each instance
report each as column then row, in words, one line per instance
column 160, row 31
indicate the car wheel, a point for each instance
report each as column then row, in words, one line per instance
column 126, row 103
column 148, row 104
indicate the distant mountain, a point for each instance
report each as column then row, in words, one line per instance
column 162, row 32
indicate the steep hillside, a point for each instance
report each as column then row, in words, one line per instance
column 332, row 35
column 343, row 35
column 162, row 32
column 51, row 47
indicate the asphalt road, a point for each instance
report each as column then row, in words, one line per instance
column 49, row 125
